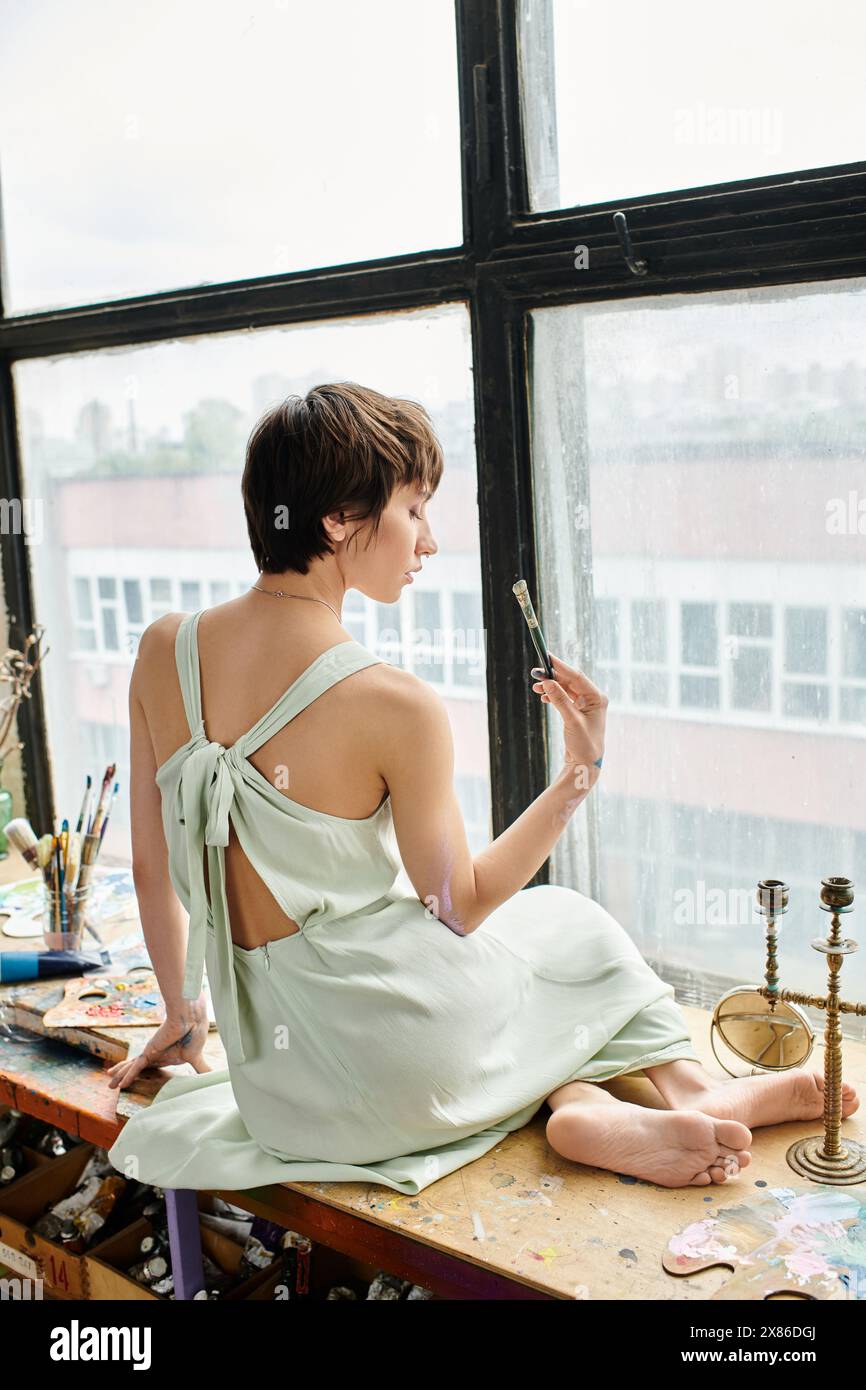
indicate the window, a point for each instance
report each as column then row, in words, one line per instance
column 649, row 677
column 607, row 647
column 85, row 628
column 659, row 418
column 473, row 795
column 389, row 632
column 131, row 510
column 107, row 592
column 221, row 142
column 428, row 655
column 750, row 652
column 695, row 102
column 190, row 595
column 852, row 692
column 741, row 608
column 469, row 648
column 806, row 654
column 710, row 874
column 699, row 649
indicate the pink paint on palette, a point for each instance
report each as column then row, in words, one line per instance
column 807, row 1241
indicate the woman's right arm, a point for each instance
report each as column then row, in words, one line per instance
column 417, row 762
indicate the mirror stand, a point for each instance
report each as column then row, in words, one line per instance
column 766, row 1026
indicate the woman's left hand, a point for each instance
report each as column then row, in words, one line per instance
column 174, row 1041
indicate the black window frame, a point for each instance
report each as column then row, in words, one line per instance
column 808, row 225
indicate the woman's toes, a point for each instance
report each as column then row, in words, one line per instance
column 733, row 1135
column 726, row 1166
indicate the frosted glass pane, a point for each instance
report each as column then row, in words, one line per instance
column 699, row 467
column 133, row 461
column 630, row 99
column 151, row 146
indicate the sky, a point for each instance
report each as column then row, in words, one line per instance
column 679, row 94
column 147, row 146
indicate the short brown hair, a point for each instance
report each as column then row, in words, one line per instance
column 340, row 447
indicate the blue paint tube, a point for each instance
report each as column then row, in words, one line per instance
column 45, row 965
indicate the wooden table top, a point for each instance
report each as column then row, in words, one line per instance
column 520, row 1211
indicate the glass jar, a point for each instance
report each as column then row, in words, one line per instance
column 64, row 918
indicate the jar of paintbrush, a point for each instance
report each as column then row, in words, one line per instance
column 66, row 863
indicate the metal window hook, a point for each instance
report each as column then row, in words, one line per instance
column 636, row 266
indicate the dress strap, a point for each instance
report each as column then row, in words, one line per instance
column 186, row 660
column 328, row 668
column 204, row 783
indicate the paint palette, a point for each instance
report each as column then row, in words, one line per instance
column 109, row 1001
column 809, row 1241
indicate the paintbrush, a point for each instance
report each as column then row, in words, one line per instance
column 20, row 833
column 100, row 808
column 85, row 802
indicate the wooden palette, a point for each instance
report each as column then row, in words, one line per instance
column 125, row 1000
column 808, row 1240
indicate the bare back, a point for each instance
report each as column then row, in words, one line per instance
column 250, row 652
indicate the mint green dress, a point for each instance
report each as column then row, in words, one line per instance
column 376, row 1044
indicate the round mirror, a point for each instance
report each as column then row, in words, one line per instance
column 770, row 1039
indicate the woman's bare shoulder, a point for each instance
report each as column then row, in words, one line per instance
column 405, row 706
column 156, row 645
column 403, row 689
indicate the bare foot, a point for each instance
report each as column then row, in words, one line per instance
column 762, row 1100
column 682, row 1149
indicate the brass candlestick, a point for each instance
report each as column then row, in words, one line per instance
column 822, row 1157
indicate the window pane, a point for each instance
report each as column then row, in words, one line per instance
column 220, row 592
column 110, row 639
column 428, row 655
column 427, row 616
column 802, row 701
column 389, row 628
column 751, row 677
column 700, row 634
column 764, row 92
column 190, row 596
column 169, row 145
column 806, row 640
column 154, row 508
column 132, row 597
column 853, row 704
column 469, row 649
column 750, row 619
column 699, row 692
column 607, row 629
column 712, row 442
column 610, row 680
column 648, row 631
column 82, row 599
column 649, row 687
column 854, row 640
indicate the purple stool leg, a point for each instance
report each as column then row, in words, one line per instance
column 184, row 1238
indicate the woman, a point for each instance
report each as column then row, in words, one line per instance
column 280, row 773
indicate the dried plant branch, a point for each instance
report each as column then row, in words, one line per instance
column 17, row 669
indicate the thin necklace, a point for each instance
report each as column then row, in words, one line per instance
column 281, row 593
